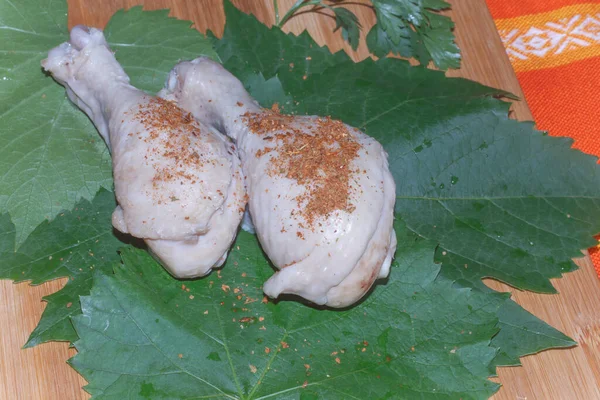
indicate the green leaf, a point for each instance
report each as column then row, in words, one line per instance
column 50, row 155
column 521, row 333
column 247, row 47
column 439, row 43
column 58, row 157
column 143, row 334
column 350, row 25
column 432, row 127
column 450, row 142
column 413, row 28
column 73, row 245
column 380, row 44
column 470, row 178
column 148, row 44
column 267, row 92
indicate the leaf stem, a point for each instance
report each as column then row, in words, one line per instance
column 355, row 3
column 276, row 6
column 320, row 3
column 318, row 10
column 298, row 5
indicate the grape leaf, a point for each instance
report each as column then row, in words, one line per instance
column 73, row 245
column 427, row 122
column 245, row 40
column 50, row 156
column 48, row 170
column 467, row 176
column 149, row 43
column 413, row 28
column 521, row 333
column 145, row 334
column 405, row 108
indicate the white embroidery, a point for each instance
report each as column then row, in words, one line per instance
column 553, row 38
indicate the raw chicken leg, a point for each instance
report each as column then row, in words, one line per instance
column 178, row 183
column 321, row 195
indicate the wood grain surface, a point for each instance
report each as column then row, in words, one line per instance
column 41, row 372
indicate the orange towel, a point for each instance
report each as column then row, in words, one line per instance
column 554, row 47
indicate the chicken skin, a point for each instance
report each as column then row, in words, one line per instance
column 321, row 195
column 178, row 183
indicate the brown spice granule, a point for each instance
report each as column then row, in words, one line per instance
column 264, row 151
column 159, row 116
column 267, row 121
column 320, row 159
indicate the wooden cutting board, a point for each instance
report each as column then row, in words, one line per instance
column 41, row 372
